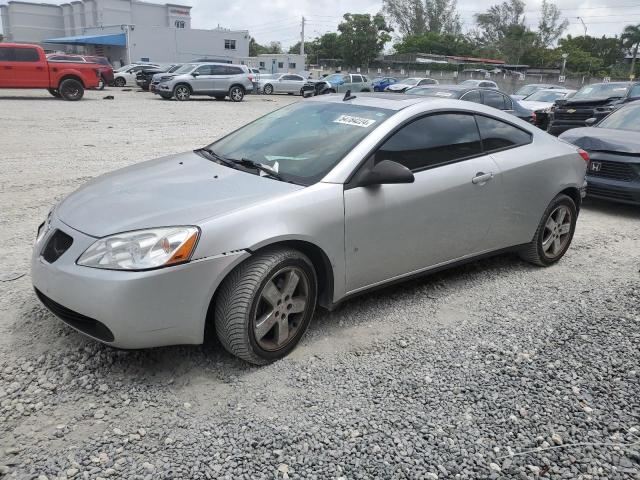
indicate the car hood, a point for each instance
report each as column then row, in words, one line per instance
column 532, row 105
column 182, row 189
column 588, row 102
column 399, row 86
column 603, row 139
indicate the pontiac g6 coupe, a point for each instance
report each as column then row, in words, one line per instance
column 309, row 205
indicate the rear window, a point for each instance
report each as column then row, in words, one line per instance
column 26, row 55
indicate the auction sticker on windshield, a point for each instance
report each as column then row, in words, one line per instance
column 355, row 121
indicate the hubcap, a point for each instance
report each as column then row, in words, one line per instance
column 282, row 304
column 182, row 93
column 556, row 231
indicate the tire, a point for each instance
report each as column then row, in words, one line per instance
column 101, row 83
column 54, row 92
column 236, row 93
column 220, row 97
column 551, row 234
column 242, row 299
column 182, row 92
column 365, row 90
column 329, row 90
column 166, row 96
column 268, row 89
column 119, row 82
column 71, row 90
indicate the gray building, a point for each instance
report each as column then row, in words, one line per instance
column 123, row 30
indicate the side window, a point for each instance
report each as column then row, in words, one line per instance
column 427, row 81
column 356, row 78
column 635, row 91
column 288, row 77
column 234, row 71
column 472, row 96
column 297, row 78
column 494, row 99
column 497, row 135
column 6, row 54
column 204, row 70
column 26, row 55
column 218, row 70
column 431, row 141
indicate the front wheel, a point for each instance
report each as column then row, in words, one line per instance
column 236, row 94
column 166, row 96
column 54, row 92
column 268, row 89
column 554, row 234
column 182, row 93
column 119, row 82
column 71, row 89
column 265, row 305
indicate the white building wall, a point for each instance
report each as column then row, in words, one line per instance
column 277, row 63
column 31, row 22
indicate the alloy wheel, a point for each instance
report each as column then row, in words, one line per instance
column 71, row 92
column 556, row 232
column 268, row 90
column 282, row 305
column 236, row 94
column 182, row 93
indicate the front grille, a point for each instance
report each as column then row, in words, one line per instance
column 578, row 115
column 614, row 170
column 78, row 321
column 609, row 193
column 58, row 243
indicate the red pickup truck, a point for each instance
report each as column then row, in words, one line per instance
column 26, row 66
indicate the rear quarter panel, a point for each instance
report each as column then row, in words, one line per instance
column 86, row 72
column 532, row 175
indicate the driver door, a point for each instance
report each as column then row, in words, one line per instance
column 204, row 79
column 446, row 214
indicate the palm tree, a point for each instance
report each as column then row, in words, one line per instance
column 631, row 39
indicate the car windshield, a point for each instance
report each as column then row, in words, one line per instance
column 302, row 141
column 624, row 119
column 601, row 90
column 528, row 90
column 546, row 96
column 186, row 68
column 335, row 78
column 433, row 92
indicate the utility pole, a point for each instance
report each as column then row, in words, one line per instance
column 302, row 37
column 584, row 25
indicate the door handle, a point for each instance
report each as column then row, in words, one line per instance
column 482, row 177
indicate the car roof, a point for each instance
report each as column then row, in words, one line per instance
column 456, row 88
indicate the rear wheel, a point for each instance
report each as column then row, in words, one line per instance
column 554, row 233
column 71, row 89
column 236, row 93
column 182, row 93
column 54, row 92
column 119, row 82
column 265, row 305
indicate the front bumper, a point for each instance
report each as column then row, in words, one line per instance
column 167, row 306
column 615, row 190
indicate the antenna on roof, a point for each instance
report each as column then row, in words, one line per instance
column 348, row 96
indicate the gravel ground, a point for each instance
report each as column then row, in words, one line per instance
column 492, row 370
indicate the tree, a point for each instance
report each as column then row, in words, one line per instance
column 417, row 17
column 256, row 49
column 495, row 23
column 362, row 37
column 631, row 40
column 550, row 28
column 608, row 49
column 435, row 43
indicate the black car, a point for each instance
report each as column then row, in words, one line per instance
column 614, row 150
column 591, row 101
column 486, row 96
column 144, row 76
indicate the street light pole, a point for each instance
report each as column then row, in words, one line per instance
column 564, row 63
column 584, row 25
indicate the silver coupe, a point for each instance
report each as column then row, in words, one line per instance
column 309, row 205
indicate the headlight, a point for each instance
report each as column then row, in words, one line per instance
column 142, row 249
column 43, row 228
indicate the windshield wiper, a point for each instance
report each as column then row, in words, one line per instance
column 270, row 171
column 219, row 158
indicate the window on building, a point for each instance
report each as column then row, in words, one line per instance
column 280, row 64
column 26, row 55
column 179, row 23
column 229, row 44
column 432, row 141
column 261, row 64
column 292, row 65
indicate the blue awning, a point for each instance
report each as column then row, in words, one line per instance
column 116, row 39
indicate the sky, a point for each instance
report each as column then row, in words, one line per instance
column 280, row 20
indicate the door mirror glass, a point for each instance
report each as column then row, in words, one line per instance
column 195, row 74
column 590, row 122
column 386, row 172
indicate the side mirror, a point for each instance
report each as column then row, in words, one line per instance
column 590, row 122
column 385, row 172
column 195, row 74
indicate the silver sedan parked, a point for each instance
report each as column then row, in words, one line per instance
column 281, row 83
column 309, row 205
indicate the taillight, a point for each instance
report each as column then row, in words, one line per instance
column 584, row 155
column 251, row 78
column 534, row 117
